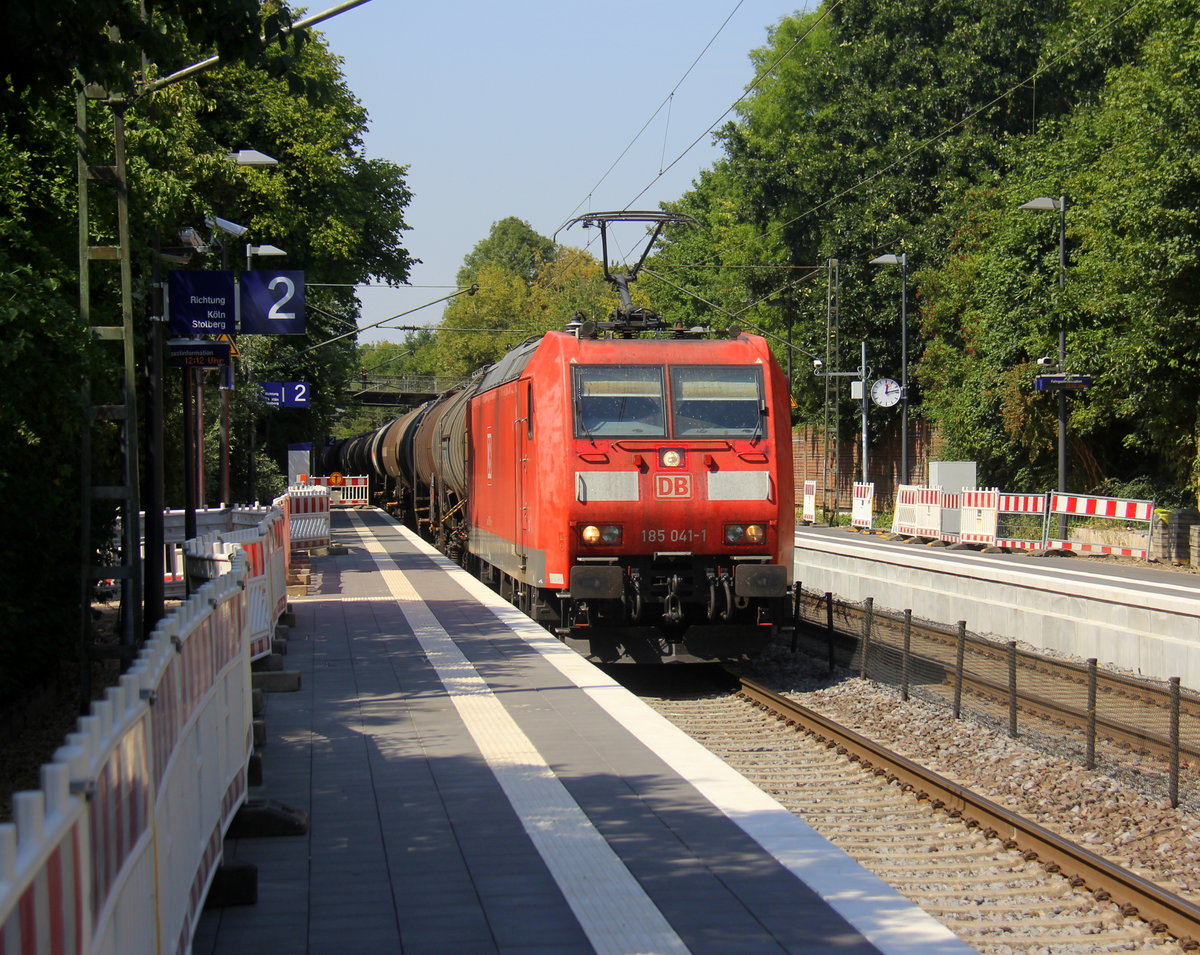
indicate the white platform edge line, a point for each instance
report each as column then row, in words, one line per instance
column 612, row 908
column 889, row 921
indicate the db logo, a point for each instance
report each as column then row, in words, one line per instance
column 673, row 485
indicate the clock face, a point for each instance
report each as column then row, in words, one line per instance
column 885, row 392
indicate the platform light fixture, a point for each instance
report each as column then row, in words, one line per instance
column 261, row 250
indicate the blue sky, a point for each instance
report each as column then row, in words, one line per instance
column 520, row 108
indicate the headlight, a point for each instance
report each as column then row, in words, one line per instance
column 670, row 457
column 606, row 535
column 745, row 533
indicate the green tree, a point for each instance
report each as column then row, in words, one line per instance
column 511, row 244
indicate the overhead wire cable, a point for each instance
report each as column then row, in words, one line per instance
column 755, row 83
column 665, row 102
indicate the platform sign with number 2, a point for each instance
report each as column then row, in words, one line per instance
column 272, row 303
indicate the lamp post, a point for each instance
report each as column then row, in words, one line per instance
column 902, row 261
column 1059, row 205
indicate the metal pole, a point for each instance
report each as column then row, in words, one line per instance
column 189, row 455
column 1173, row 779
column 866, row 453
column 958, row 668
column 868, row 619
column 1091, row 713
column 1012, row 688
column 1062, row 358
column 155, row 548
column 904, row 368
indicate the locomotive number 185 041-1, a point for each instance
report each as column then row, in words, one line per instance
column 659, row 535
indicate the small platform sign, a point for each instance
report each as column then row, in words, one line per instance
column 286, row 394
column 1062, row 382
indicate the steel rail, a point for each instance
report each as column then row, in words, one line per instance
column 1109, row 685
column 1163, row 910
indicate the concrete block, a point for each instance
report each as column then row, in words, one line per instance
column 287, row 618
column 284, row 681
column 234, row 883
column 271, row 663
column 278, row 647
column 264, row 817
column 259, row 730
column 258, row 702
column 254, row 768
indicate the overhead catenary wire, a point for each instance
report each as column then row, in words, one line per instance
column 666, row 101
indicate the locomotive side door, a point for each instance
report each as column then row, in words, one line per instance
column 523, row 426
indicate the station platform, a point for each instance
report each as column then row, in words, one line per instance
column 475, row 786
column 1131, row 616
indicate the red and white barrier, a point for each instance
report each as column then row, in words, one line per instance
column 918, row 511
column 809, row 512
column 979, row 514
column 348, row 489
column 950, row 522
column 115, row 852
column 266, row 586
column 862, row 506
column 1116, row 509
column 309, row 516
column 1021, row 504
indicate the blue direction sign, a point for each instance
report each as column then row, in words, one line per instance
column 190, row 353
column 1062, row 382
column 201, row 303
column 272, row 303
column 286, row 394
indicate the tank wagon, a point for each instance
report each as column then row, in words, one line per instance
column 633, row 494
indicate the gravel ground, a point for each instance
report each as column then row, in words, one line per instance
column 1121, row 814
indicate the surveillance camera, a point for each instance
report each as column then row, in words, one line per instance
column 216, row 222
column 818, row 364
column 1045, row 362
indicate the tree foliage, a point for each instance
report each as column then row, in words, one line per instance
column 339, row 215
column 889, row 126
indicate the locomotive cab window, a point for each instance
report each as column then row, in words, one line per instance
column 619, row 401
column 724, row 400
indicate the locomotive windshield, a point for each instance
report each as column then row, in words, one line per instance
column 706, row 401
column 619, row 401
column 716, row 400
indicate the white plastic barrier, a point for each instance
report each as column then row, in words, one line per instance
column 308, row 516
column 208, row 520
column 979, row 515
column 918, row 511
column 862, row 507
column 809, row 512
column 115, row 853
column 210, row 556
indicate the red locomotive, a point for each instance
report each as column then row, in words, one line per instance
column 633, row 494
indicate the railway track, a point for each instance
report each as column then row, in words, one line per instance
column 1004, row 884
column 1132, row 713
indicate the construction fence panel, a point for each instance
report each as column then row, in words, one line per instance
column 861, row 513
column 116, row 850
column 1099, row 525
